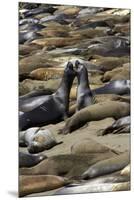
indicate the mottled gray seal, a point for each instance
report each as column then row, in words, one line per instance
column 28, row 160
column 107, row 166
column 114, row 87
column 122, row 125
column 37, row 140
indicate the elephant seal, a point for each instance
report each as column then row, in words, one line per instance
column 90, row 146
column 91, row 188
column 126, row 171
column 120, row 73
column 49, row 108
column 119, row 87
column 121, row 125
column 40, row 183
column 96, row 112
column 84, row 93
column 28, row 36
column 107, row 166
column 29, row 21
column 37, row 140
column 69, row 165
column 36, row 11
column 46, row 73
column 28, row 160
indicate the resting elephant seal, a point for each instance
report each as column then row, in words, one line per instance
column 37, row 140
column 84, row 93
column 107, row 166
column 28, row 160
column 120, row 73
column 48, row 109
column 40, row 183
column 28, row 36
column 46, row 73
column 68, row 165
column 119, row 87
column 92, row 188
column 90, row 146
column 126, row 171
column 96, row 112
column 122, row 125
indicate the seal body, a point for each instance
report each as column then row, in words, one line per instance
column 107, row 166
column 114, row 87
column 28, row 160
column 84, row 93
column 121, row 125
column 40, row 183
column 49, row 108
column 96, row 112
column 37, row 140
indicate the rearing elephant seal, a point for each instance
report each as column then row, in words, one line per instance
column 84, row 94
column 49, row 108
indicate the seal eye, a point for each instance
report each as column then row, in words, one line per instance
column 70, row 65
column 77, row 63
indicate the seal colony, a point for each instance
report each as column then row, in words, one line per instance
column 74, row 77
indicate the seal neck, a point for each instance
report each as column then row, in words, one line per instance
column 64, row 90
column 83, row 82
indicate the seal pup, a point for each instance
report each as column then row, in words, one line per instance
column 119, row 87
column 96, row 112
column 84, row 93
column 40, row 183
column 28, row 160
column 121, row 125
column 107, row 166
column 49, row 108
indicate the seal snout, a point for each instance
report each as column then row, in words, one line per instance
column 35, row 147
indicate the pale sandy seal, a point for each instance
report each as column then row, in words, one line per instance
column 96, row 112
column 40, row 183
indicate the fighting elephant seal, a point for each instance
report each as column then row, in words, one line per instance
column 40, row 183
column 28, row 160
column 96, row 112
column 84, row 93
column 49, row 108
